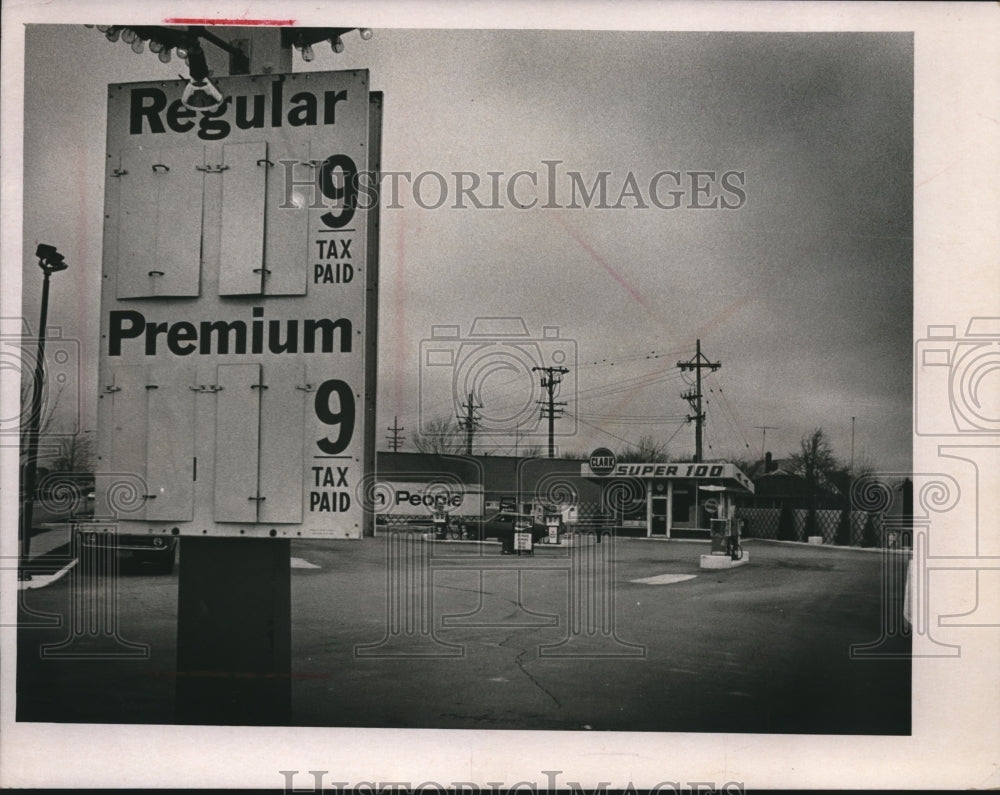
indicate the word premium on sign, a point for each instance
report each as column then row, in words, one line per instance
column 208, row 337
column 149, row 112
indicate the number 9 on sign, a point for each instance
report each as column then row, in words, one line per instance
column 341, row 415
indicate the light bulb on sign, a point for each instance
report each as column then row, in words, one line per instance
column 337, row 44
column 365, row 33
column 128, row 35
column 199, row 93
column 164, row 56
column 307, row 53
column 113, row 33
column 155, row 46
column 137, row 46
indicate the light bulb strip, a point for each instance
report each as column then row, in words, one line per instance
column 162, row 40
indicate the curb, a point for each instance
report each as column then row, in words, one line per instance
column 835, row 547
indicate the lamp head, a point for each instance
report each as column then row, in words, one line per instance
column 49, row 259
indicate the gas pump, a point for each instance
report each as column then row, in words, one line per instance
column 522, row 537
column 733, row 547
column 726, row 538
column 725, row 528
column 720, row 536
column 553, row 521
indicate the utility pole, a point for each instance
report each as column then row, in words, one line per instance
column 763, row 437
column 396, row 440
column 852, row 446
column 469, row 422
column 698, row 363
column 550, row 407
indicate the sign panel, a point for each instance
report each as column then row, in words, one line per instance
column 238, row 306
column 718, row 470
column 427, row 499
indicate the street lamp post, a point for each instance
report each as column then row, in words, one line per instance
column 50, row 261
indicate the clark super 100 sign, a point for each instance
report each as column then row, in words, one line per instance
column 236, row 293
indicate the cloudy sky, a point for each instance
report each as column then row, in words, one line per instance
column 803, row 291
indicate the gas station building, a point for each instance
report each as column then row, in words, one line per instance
column 643, row 499
column 668, row 497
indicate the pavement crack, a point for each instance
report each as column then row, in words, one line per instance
column 467, row 590
column 519, row 661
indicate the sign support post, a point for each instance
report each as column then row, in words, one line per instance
column 234, row 628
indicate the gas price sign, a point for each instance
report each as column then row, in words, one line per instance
column 238, row 307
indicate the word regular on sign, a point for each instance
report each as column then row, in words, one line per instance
column 149, row 112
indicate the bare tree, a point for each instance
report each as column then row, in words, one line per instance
column 648, row 449
column 815, row 461
column 76, row 453
column 46, row 415
column 744, row 463
column 817, row 465
column 442, row 435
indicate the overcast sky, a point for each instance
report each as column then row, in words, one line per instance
column 803, row 291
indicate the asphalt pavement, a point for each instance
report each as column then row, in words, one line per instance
column 454, row 635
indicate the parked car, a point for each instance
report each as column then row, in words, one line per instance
column 157, row 552
column 502, row 527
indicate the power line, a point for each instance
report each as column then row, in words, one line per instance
column 625, row 385
column 732, row 432
column 600, row 429
column 735, row 421
column 629, row 359
column 633, row 420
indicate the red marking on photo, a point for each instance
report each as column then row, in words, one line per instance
column 254, row 22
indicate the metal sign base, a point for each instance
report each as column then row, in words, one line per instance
column 234, row 632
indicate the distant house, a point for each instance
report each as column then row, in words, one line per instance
column 777, row 486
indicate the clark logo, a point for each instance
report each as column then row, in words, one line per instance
column 602, row 461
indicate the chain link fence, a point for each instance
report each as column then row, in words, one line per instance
column 836, row 527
